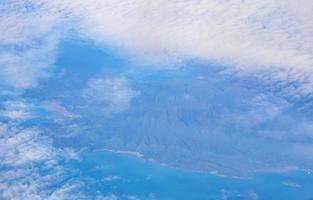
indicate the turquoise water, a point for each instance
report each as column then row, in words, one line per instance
column 129, row 177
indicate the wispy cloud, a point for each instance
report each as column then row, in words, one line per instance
column 111, row 95
column 56, row 107
column 24, row 155
column 16, row 110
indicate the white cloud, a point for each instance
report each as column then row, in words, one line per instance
column 264, row 108
column 257, row 35
column 230, row 194
column 29, row 35
column 21, row 150
column 111, row 178
column 20, row 147
column 16, row 110
column 108, row 197
column 67, row 191
column 291, row 184
column 113, row 94
column 259, row 32
column 29, row 184
column 14, row 114
column 254, row 37
column 250, row 35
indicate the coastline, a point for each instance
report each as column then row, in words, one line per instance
column 129, row 153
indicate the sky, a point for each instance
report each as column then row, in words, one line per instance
column 216, row 86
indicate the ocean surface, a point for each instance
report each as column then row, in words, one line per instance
column 128, row 177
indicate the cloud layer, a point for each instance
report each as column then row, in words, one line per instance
column 30, row 166
column 248, row 34
column 252, row 36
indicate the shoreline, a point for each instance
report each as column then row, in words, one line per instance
column 129, row 153
column 138, row 155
